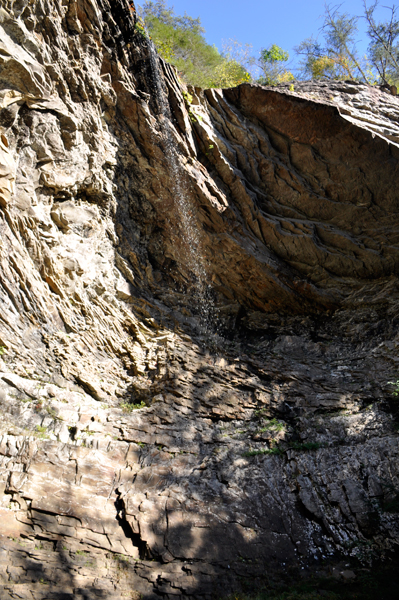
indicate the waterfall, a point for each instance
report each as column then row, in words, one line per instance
column 189, row 232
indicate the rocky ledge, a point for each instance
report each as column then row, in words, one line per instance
column 199, row 319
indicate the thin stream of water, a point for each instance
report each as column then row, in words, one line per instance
column 190, row 235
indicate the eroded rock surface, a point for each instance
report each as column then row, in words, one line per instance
column 141, row 455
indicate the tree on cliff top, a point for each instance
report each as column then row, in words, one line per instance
column 273, row 66
column 180, row 41
column 384, row 45
column 336, row 57
column 333, row 55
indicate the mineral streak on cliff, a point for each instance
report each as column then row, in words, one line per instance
column 135, row 459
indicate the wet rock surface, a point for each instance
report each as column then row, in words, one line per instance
column 141, row 454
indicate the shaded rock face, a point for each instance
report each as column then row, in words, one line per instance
column 139, row 453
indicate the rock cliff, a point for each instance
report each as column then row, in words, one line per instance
column 199, row 318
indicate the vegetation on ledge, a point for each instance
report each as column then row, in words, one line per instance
column 330, row 55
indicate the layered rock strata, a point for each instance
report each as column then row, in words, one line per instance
column 141, row 455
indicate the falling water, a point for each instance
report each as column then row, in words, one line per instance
column 189, row 232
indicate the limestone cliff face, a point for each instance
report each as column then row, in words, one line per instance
column 140, row 453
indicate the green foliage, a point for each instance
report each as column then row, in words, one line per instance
column 316, row 62
column 140, row 28
column 274, row 54
column 336, row 57
column 180, row 41
column 272, row 64
column 187, row 97
column 52, row 412
column 384, row 44
column 229, row 73
column 395, row 391
column 335, row 60
column 41, row 432
column 2, row 350
column 120, row 557
column 274, row 425
column 127, row 407
column 305, row 446
column 340, row 34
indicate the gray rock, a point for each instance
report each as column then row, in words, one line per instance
column 140, row 452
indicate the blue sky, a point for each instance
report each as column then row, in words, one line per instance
column 261, row 22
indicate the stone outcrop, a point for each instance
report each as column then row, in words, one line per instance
column 141, row 453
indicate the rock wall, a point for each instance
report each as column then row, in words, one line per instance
column 141, row 455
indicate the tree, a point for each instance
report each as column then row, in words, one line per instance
column 272, row 63
column 180, row 41
column 229, row 73
column 160, row 11
column 340, row 34
column 316, row 63
column 240, row 53
column 236, row 65
column 384, row 46
column 337, row 58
